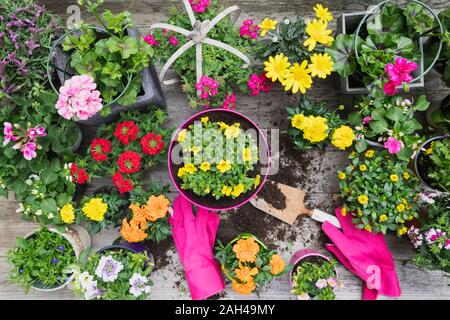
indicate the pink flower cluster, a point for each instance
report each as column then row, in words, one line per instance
column 151, row 40
column 258, row 83
column 431, row 236
column 248, row 29
column 78, row 98
column 398, row 73
column 173, row 40
column 393, row 145
column 229, row 102
column 199, row 6
column 27, row 139
column 208, row 87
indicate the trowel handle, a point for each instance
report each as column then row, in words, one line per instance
column 321, row 216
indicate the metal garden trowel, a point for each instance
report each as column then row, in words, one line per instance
column 294, row 206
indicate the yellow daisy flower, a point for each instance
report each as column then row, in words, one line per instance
column 323, row 13
column 341, row 175
column 370, row 153
column 276, row 68
column 383, row 218
column 401, row 207
column 401, row 231
column 321, row 65
column 363, row 167
column 393, row 177
column 406, row 175
column 298, row 78
column 267, row 25
column 363, row 199
column 318, row 33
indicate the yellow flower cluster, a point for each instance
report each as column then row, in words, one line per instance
column 233, row 191
column 67, row 214
column 315, row 129
column 343, row 137
column 95, row 209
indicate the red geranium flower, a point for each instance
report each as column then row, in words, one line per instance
column 121, row 184
column 78, row 175
column 100, row 149
column 152, row 144
column 126, row 131
column 129, row 162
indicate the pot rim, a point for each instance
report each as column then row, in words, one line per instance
column 173, row 142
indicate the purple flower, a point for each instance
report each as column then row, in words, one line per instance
column 54, row 261
column 367, row 119
column 31, row 45
column 108, row 269
column 61, row 248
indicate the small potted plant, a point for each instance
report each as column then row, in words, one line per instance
column 221, row 163
column 313, row 124
column 380, row 193
column 432, row 163
column 389, row 123
column 313, row 276
column 126, row 149
column 117, row 272
column 432, row 238
column 149, row 216
column 248, row 263
column 41, row 258
column 111, row 63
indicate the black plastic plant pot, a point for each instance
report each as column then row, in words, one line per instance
column 151, row 93
column 262, row 169
column 422, row 163
column 127, row 246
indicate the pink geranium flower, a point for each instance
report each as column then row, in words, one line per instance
column 248, row 29
column 9, row 133
column 151, row 40
column 208, row 87
column 393, row 145
column 199, row 6
column 29, row 150
column 390, row 88
column 398, row 73
column 367, row 119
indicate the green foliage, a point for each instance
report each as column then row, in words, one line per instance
column 307, row 274
column 31, row 260
column 439, row 168
column 308, row 108
column 390, row 187
column 112, row 57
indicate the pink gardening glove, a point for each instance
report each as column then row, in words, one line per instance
column 194, row 239
column 365, row 254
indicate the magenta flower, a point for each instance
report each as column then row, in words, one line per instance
column 229, row 102
column 199, row 6
column 9, row 133
column 29, row 151
column 151, row 40
column 393, row 145
column 208, row 87
column 33, row 133
column 248, row 29
column 367, row 119
column 173, row 40
column 390, row 88
column 401, row 71
column 258, row 83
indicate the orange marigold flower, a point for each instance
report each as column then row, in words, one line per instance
column 245, row 274
column 244, row 288
column 246, row 250
column 131, row 232
column 139, row 216
column 276, row 264
column 156, row 207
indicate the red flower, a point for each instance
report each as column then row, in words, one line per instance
column 152, row 144
column 79, row 175
column 129, row 162
column 126, row 131
column 121, row 184
column 100, row 149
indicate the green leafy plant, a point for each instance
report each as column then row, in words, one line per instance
column 128, row 280
column 380, row 118
column 26, row 33
column 306, row 108
column 437, row 161
column 41, row 260
column 432, row 239
column 218, row 159
column 110, row 56
column 315, row 280
column 380, row 193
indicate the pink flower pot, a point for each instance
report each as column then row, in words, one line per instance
column 302, row 254
column 208, row 202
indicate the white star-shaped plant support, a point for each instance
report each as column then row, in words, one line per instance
column 197, row 37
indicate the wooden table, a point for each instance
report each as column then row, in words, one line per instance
column 268, row 111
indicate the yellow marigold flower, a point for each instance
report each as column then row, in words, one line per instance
column 401, row 207
column 246, row 250
column 318, row 33
column 204, row 119
column 297, row 78
column 341, row 175
column 401, row 231
column 406, row 175
column 237, row 190
column 368, row 228
column 370, row 153
column 181, row 172
column 429, row 150
column 67, row 214
column 157, row 207
column 245, row 274
column 383, row 218
column 224, row 165
column 393, row 177
column 321, row 65
column 344, row 211
column 267, row 25
column 243, row 288
column 343, row 137
column 297, row 121
column 232, row 132
column 363, row 199
column 363, row 167
column 182, row 135
column 95, row 209
column 226, row 190
column 190, row 168
column 257, row 181
column 315, row 129
column 205, row 166
column 276, row 68
column 196, row 149
column 246, row 154
column 323, row 13
column 276, row 264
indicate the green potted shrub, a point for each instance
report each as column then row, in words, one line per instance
column 41, row 258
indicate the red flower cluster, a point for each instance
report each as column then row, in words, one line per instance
column 100, row 149
column 152, row 144
column 126, row 131
column 79, row 175
column 121, row 184
column 129, row 162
